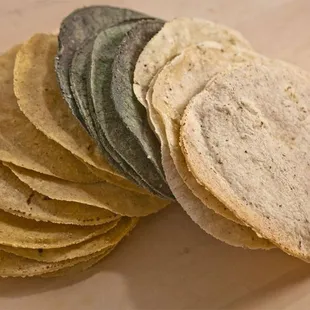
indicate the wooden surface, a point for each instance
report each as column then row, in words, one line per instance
column 168, row 263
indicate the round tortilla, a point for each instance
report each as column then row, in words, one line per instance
column 49, row 113
column 89, row 66
column 78, row 77
column 101, row 195
column 170, row 41
column 246, row 140
column 106, row 52
column 79, row 82
column 89, row 247
column 132, row 114
column 22, row 144
column 20, row 232
column 15, row 266
column 78, row 268
column 20, row 200
column 119, row 181
column 212, row 223
column 175, row 85
column 82, row 24
column 40, row 100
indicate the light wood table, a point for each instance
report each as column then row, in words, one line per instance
column 168, row 263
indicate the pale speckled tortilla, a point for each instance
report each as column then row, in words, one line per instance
column 246, row 139
column 151, row 112
column 180, row 80
column 171, row 40
column 81, row 24
column 15, row 266
column 19, row 199
column 40, row 100
column 19, row 232
column 22, row 144
column 212, row 223
column 102, row 195
column 89, row 247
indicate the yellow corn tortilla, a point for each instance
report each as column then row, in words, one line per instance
column 89, row 247
column 102, row 194
column 118, row 181
column 16, row 266
column 22, row 144
column 40, row 99
column 19, row 199
column 78, row 268
column 19, row 232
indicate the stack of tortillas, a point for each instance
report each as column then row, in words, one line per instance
column 63, row 206
column 145, row 111
column 234, row 130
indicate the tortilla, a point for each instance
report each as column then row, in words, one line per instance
column 78, row 268
column 100, row 75
column 35, row 78
column 90, row 247
column 49, row 113
column 132, row 114
column 119, row 181
column 82, row 24
column 119, row 136
column 22, row 144
column 170, row 41
column 19, row 232
column 246, row 139
column 101, row 195
column 151, row 112
column 212, row 223
column 81, row 89
column 180, row 80
column 20, row 200
column 78, row 76
column 15, row 266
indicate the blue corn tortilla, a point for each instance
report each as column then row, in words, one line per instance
column 81, row 24
column 108, row 45
column 79, row 75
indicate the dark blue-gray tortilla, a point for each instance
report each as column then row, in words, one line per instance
column 129, row 109
column 121, row 138
column 79, row 75
column 81, row 24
